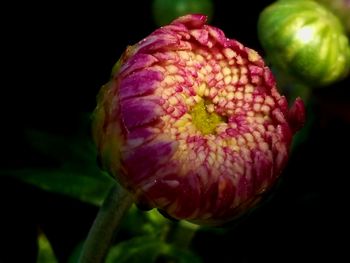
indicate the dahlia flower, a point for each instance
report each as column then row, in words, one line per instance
column 192, row 123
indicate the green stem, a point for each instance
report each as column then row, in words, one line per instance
column 101, row 234
column 182, row 233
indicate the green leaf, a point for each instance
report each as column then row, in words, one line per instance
column 74, row 257
column 147, row 249
column 74, row 183
column 75, row 173
column 45, row 253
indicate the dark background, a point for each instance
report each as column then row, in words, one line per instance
column 56, row 57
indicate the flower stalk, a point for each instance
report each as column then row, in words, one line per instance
column 106, row 224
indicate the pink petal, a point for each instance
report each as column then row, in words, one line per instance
column 140, row 83
column 191, row 21
column 144, row 162
column 138, row 61
column 217, row 34
column 296, row 115
column 201, row 35
column 140, row 111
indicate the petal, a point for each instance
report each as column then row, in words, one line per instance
column 235, row 45
column 269, row 78
column 140, row 83
column 143, row 162
column 255, row 70
column 140, row 136
column 217, row 34
column 191, row 21
column 280, row 156
column 278, row 116
column 201, row 35
column 138, row 61
column 177, row 28
column 161, row 188
column 167, row 56
column 159, row 39
column 296, row 115
column 263, row 170
column 140, row 111
column 225, row 195
column 188, row 197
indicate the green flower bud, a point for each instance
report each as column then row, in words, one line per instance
column 340, row 8
column 305, row 40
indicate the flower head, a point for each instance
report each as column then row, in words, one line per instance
column 191, row 123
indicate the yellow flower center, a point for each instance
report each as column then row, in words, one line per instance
column 205, row 121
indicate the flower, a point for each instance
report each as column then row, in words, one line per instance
column 306, row 41
column 191, row 123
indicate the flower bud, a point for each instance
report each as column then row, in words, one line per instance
column 341, row 8
column 191, row 123
column 305, row 40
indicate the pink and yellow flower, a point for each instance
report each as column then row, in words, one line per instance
column 191, row 123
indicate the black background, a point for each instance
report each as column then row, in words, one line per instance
column 56, row 57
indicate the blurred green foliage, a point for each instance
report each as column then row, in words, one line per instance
column 75, row 173
column 165, row 11
column 148, row 249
